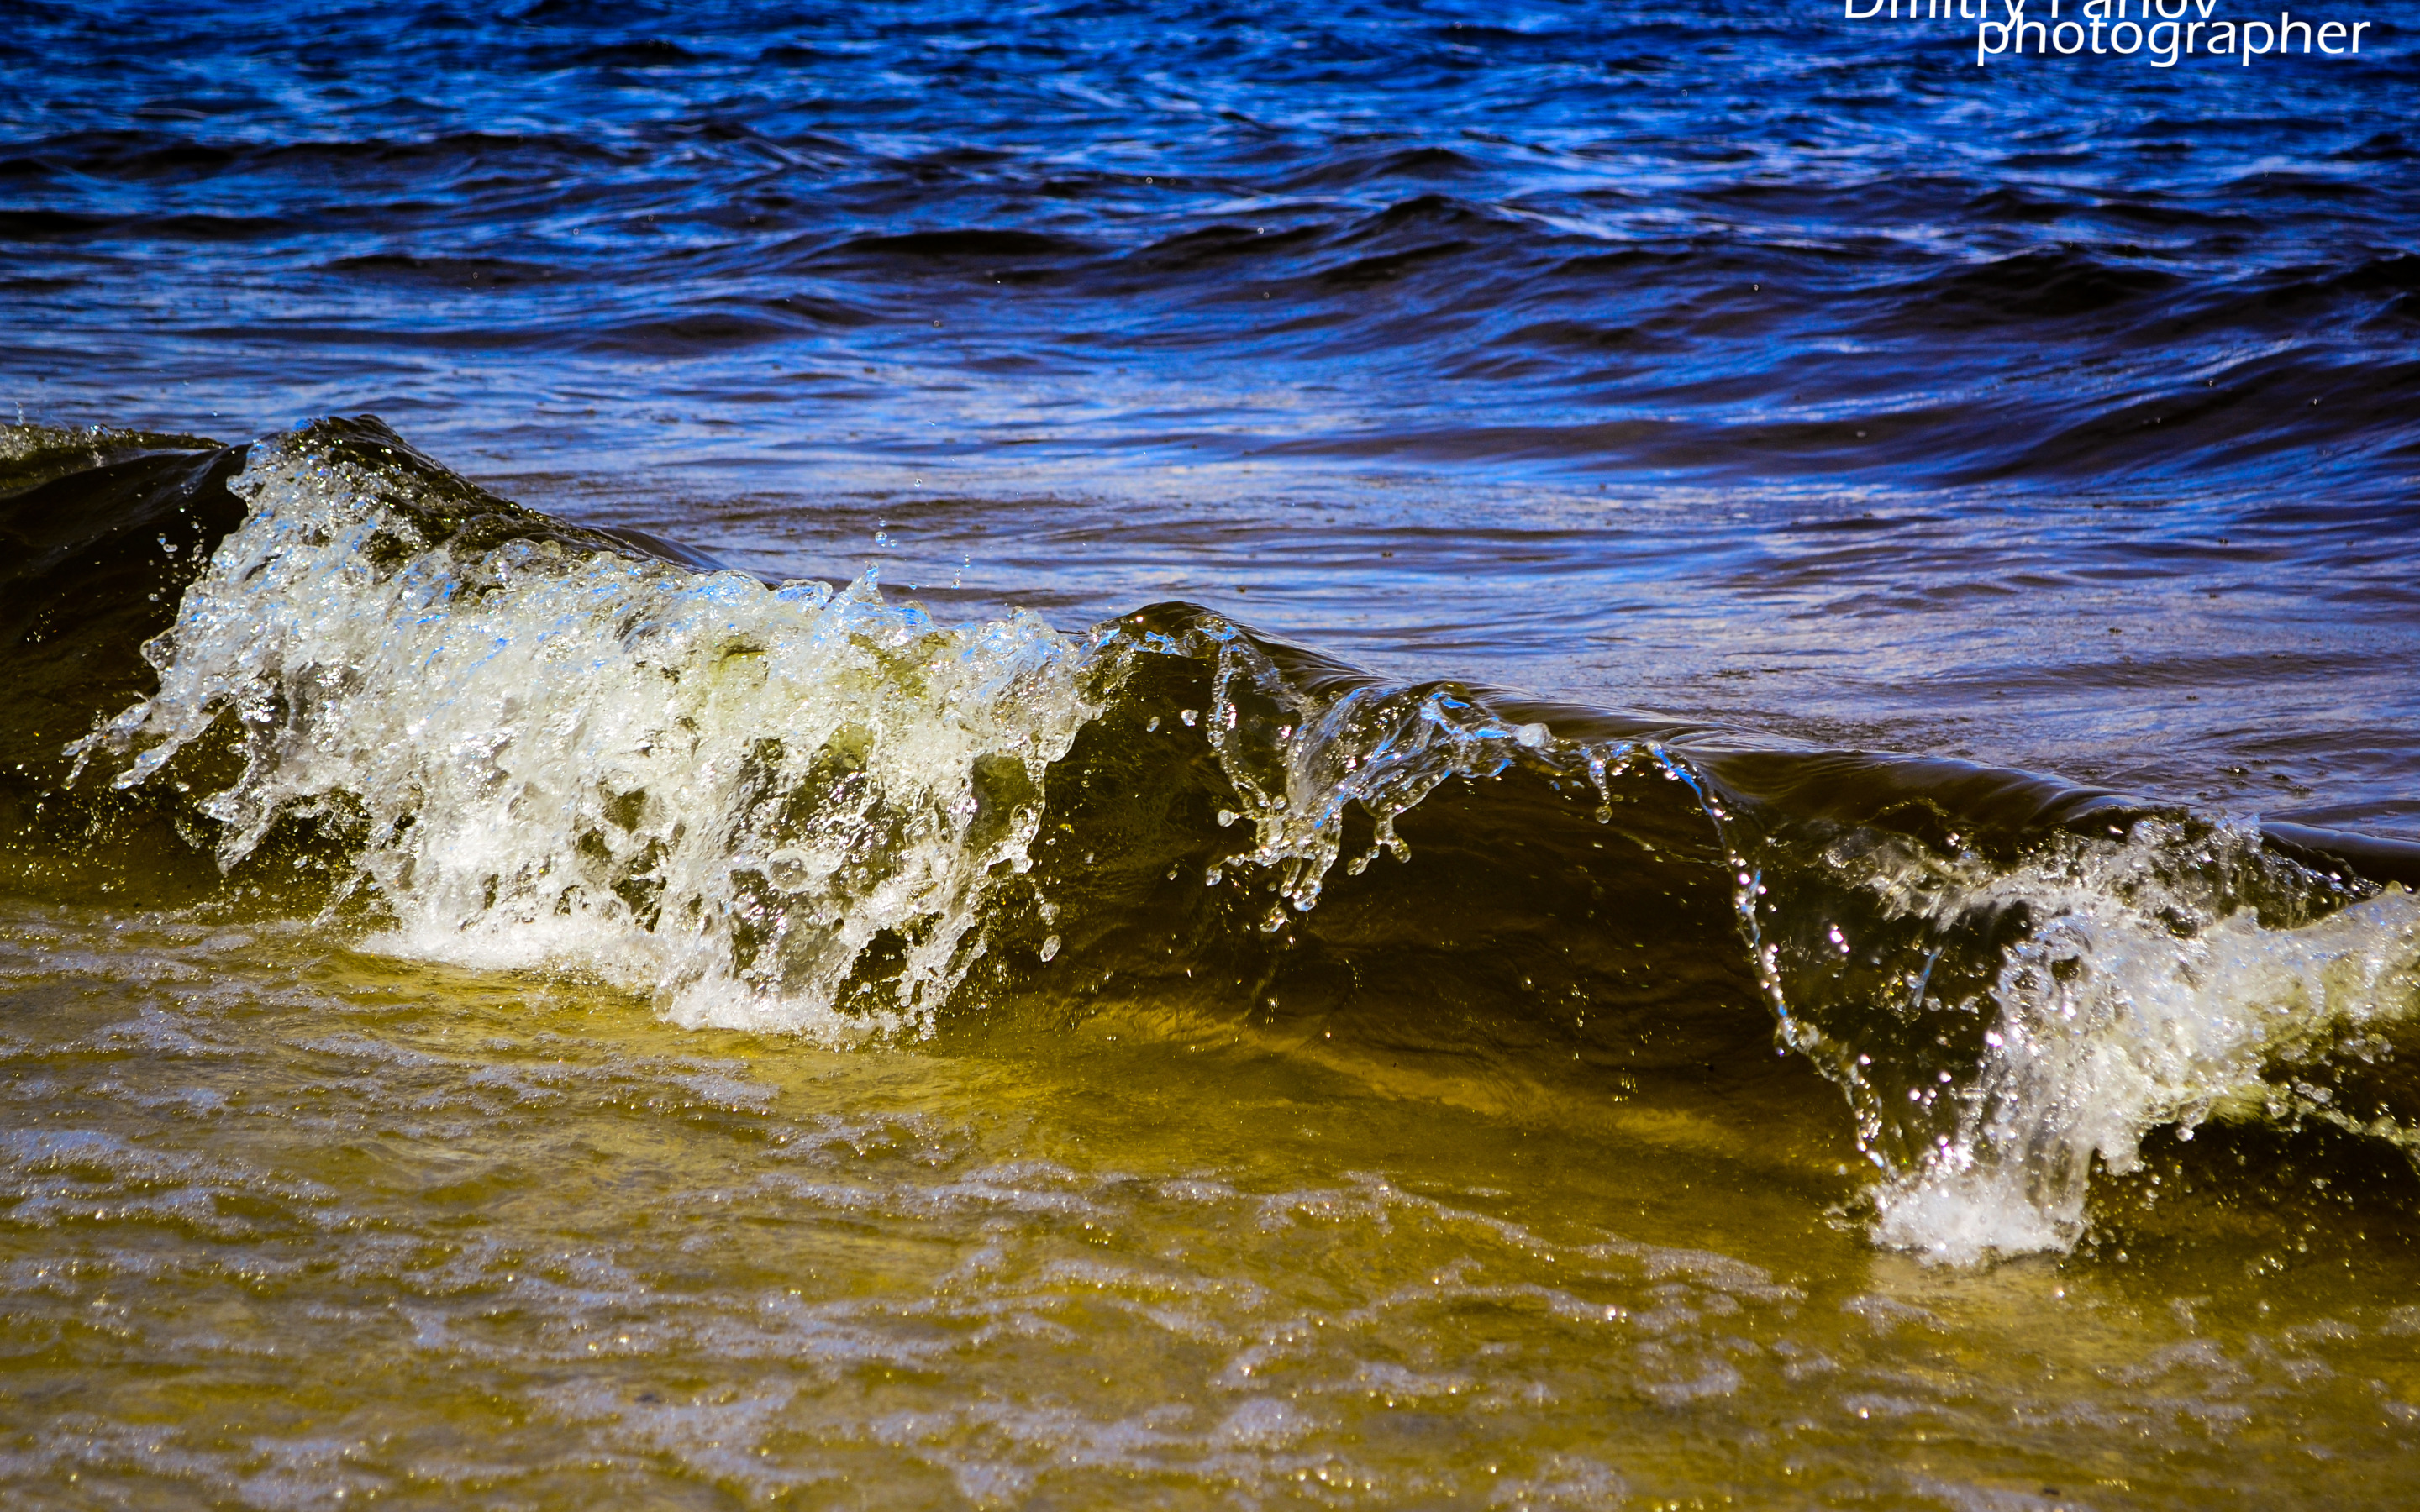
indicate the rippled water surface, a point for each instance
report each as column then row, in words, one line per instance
column 1110, row 755
column 1716, row 358
column 298, row 1222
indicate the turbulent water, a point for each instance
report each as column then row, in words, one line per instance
column 1109, row 756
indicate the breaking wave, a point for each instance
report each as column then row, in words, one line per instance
column 474, row 733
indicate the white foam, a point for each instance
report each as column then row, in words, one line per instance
column 2143, row 995
column 699, row 786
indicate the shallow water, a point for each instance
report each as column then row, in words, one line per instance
column 1449, row 756
column 299, row 1221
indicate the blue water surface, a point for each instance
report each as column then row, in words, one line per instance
column 1741, row 360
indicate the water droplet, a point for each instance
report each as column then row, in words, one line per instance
column 795, row 871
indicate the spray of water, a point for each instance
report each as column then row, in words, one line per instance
column 772, row 806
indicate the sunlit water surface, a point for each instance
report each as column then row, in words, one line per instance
column 300, row 1226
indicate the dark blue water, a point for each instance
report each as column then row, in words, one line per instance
column 1729, row 360
column 1716, row 242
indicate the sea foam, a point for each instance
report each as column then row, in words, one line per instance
column 771, row 808
column 2145, row 993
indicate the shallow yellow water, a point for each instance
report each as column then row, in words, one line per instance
column 286, row 1225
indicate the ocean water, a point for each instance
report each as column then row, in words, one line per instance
column 1158, row 755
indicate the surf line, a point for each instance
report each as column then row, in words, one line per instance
column 2167, row 38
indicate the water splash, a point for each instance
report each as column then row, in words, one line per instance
column 2160, row 980
column 773, row 807
column 1299, row 755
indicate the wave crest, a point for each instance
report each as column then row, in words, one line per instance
column 772, row 806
